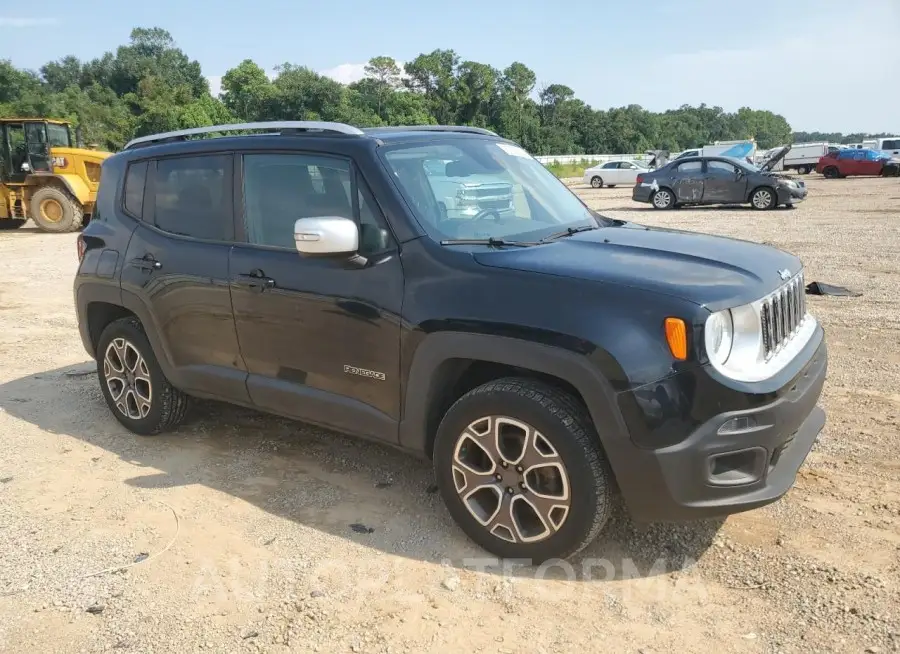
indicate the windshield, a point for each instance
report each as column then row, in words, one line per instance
column 480, row 188
column 58, row 136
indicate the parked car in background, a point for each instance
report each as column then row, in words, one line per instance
column 889, row 145
column 802, row 157
column 612, row 173
column 718, row 180
column 852, row 162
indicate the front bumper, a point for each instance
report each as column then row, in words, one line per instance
column 791, row 194
column 735, row 461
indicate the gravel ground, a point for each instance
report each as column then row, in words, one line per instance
column 244, row 533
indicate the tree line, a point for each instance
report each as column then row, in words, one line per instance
column 150, row 85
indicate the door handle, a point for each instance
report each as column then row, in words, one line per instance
column 147, row 263
column 256, row 281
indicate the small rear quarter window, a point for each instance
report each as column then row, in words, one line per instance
column 134, row 188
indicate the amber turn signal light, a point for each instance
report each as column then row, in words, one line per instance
column 676, row 335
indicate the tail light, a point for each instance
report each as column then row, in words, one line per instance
column 81, row 244
column 640, row 179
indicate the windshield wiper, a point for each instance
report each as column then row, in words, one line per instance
column 490, row 242
column 569, row 232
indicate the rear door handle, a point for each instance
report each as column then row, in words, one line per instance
column 147, row 263
column 256, row 281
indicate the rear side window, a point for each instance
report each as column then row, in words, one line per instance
column 890, row 144
column 690, row 167
column 192, row 197
column 134, row 188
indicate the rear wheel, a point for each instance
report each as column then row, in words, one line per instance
column 803, row 170
column 11, row 223
column 133, row 384
column 54, row 210
column 831, row 172
column 596, row 182
column 663, row 199
column 763, row 198
column 520, row 469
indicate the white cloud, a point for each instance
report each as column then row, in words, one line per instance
column 7, row 21
column 346, row 73
column 349, row 73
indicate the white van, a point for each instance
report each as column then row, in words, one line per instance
column 890, row 145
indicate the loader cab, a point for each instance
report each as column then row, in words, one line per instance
column 25, row 146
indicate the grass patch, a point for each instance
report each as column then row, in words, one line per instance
column 574, row 169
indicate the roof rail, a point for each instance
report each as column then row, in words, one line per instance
column 281, row 127
column 433, row 128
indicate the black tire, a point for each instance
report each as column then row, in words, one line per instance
column 764, row 198
column 663, row 199
column 803, row 170
column 566, row 427
column 167, row 405
column 70, row 212
column 11, row 223
column 831, row 172
column 596, row 181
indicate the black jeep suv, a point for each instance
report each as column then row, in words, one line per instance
column 544, row 357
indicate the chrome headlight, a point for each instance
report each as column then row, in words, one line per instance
column 719, row 336
column 752, row 343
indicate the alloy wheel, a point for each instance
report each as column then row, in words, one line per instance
column 127, row 378
column 762, row 199
column 662, row 199
column 511, row 479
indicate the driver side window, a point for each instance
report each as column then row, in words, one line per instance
column 721, row 168
column 281, row 188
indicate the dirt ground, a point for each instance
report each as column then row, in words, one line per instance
column 243, row 532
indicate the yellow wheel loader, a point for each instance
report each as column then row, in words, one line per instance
column 45, row 178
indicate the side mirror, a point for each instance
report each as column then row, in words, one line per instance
column 326, row 236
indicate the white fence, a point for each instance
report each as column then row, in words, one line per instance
column 576, row 158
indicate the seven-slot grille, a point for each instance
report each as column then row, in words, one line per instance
column 781, row 315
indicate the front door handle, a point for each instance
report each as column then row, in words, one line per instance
column 256, row 281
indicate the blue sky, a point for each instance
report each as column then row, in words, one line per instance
column 823, row 64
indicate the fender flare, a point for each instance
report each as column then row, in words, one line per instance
column 134, row 304
column 436, row 355
column 72, row 183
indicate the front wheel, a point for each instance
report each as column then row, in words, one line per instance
column 521, row 471
column 596, row 182
column 763, row 198
column 831, row 172
column 663, row 199
column 133, row 384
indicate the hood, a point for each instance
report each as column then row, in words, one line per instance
column 711, row 271
column 776, row 156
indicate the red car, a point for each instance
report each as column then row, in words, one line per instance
column 851, row 161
